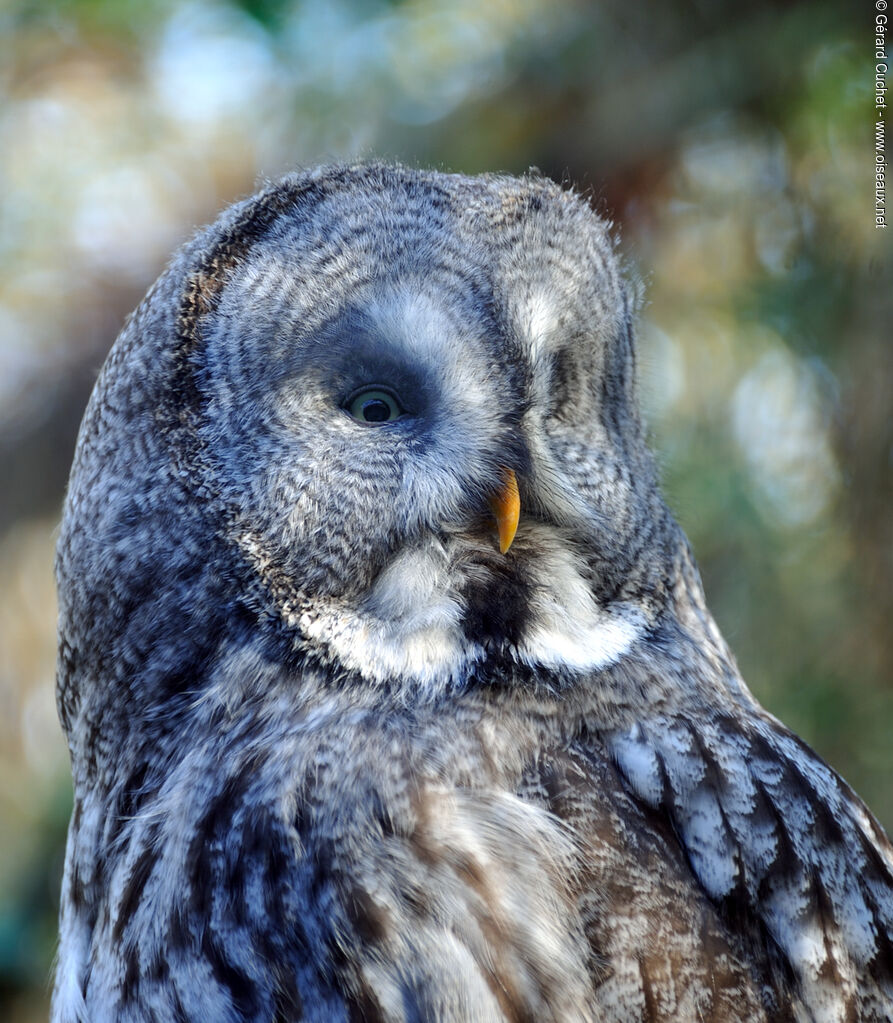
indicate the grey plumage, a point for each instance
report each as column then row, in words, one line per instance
column 338, row 758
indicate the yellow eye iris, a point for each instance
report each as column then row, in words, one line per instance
column 374, row 406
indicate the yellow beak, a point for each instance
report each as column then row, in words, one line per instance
column 506, row 507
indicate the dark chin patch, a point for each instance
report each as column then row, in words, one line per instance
column 497, row 603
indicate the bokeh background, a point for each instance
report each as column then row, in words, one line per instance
column 730, row 143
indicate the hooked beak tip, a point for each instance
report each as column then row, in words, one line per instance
column 506, row 505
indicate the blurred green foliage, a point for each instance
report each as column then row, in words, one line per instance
column 732, row 146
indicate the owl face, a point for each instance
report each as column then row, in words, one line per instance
column 366, row 376
column 302, row 434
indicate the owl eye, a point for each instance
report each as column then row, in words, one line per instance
column 374, row 405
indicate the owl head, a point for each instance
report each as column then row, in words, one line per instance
column 313, row 437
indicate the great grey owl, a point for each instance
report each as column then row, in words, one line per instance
column 388, row 679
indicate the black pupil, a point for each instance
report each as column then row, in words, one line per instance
column 376, row 411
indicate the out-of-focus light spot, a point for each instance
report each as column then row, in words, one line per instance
column 327, row 47
column 441, row 59
column 28, row 725
column 40, row 732
column 211, row 65
column 776, row 235
column 663, row 369
column 705, row 252
column 779, row 424
column 725, row 158
column 709, row 356
column 122, row 222
column 18, row 357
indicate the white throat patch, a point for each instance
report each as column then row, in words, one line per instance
column 410, row 626
column 569, row 629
